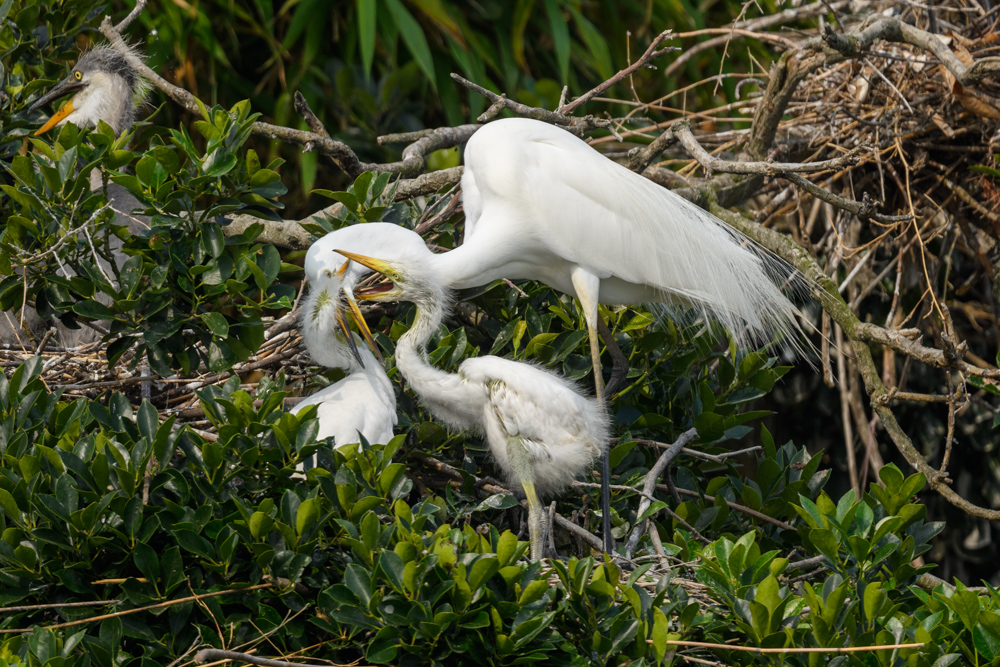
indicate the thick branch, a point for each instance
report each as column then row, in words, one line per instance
column 682, row 132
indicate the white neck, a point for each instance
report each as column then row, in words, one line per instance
column 445, row 394
column 476, row 262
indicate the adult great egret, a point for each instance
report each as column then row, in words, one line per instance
column 540, row 429
column 104, row 87
column 363, row 401
column 542, row 204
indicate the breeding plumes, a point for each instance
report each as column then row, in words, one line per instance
column 104, row 87
column 541, row 430
column 363, row 401
column 542, row 204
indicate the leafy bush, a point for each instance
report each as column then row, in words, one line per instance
column 100, row 502
column 186, row 293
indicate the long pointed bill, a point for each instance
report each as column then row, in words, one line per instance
column 342, row 323
column 54, row 120
column 359, row 320
column 64, row 87
column 370, row 262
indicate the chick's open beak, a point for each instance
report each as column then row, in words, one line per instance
column 359, row 320
column 383, row 291
column 64, row 87
column 349, row 335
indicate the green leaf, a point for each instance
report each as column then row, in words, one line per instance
column 148, row 420
column 8, row 505
column 392, row 567
column 966, row 606
column 596, row 44
column 212, row 238
column 220, row 356
column 95, row 310
column 358, row 581
column 385, row 644
column 216, row 323
column 307, row 515
column 482, row 570
column 150, row 172
column 147, row 561
column 413, row 37
column 826, row 542
column 367, row 13
column 506, row 548
column 710, row 426
column 498, row 501
column 560, row 38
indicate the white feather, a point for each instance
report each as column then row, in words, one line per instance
column 540, row 202
column 364, row 401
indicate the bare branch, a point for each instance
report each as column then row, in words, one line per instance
column 643, row 61
column 649, row 485
column 127, row 21
column 682, row 133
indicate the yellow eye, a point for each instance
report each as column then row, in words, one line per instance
column 77, row 75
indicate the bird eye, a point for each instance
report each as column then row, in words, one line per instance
column 77, row 75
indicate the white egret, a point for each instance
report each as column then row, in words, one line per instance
column 541, row 430
column 104, row 87
column 542, row 204
column 363, row 402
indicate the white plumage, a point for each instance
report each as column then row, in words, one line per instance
column 541, row 430
column 363, row 401
column 541, row 204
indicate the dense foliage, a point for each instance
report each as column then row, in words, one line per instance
column 103, row 502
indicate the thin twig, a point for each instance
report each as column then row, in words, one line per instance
column 137, row 610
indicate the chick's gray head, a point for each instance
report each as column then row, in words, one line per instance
column 104, row 86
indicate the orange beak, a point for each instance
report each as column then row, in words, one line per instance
column 64, row 111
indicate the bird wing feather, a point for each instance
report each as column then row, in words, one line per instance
column 552, row 189
column 350, row 406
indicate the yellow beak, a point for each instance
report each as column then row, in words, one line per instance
column 370, row 262
column 359, row 320
column 64, row 111
column 342, row 323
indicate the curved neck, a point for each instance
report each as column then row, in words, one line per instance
column 411, row 351
column 476, row 262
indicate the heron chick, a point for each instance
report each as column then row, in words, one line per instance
column 541, row 430
column 104, row 86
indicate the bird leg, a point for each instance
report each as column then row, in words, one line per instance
column 595, row 356
column 588, row 288
column 520, row 461
column 619, row 368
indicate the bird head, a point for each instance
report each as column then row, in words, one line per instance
column 324, row 326
column 408, row 251
column 407, row 277
column 104, row 87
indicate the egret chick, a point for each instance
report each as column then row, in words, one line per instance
column 363, row 402
column 541, row 430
